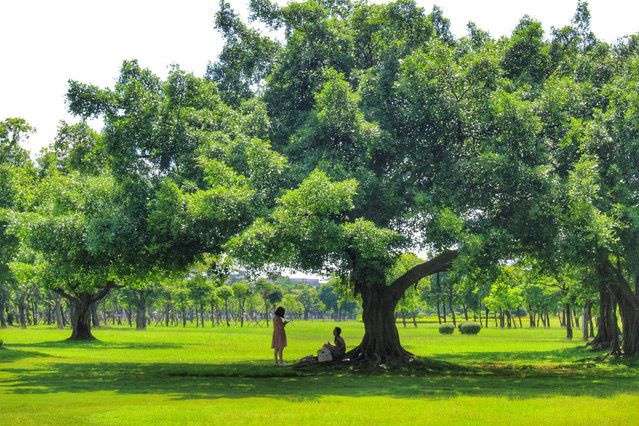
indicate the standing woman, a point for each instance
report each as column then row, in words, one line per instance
column 279, row 335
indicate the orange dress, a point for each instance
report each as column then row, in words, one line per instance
column 279, row 335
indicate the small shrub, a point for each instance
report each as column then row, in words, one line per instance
column 446, row 329
column 469, row 328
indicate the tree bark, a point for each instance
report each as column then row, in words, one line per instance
column 628, row 303
column 22, row 317
column 381, row 338
column 94, row 315
column 80, row 305
column 568, row 321
column 450, row 302
column 607, row 331
column 81, row 318
column 3, row 319
column 487, row 311
column 140, row 299
column 585, row 315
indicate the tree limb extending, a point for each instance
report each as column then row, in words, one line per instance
column 439, row 263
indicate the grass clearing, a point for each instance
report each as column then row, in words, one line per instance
column 189, row 376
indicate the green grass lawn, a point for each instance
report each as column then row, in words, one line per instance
column 225, row 376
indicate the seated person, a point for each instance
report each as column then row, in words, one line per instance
column 339, row 348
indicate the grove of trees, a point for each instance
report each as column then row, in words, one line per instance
column 340, row 139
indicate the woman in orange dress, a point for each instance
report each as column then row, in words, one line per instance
column 279, row 335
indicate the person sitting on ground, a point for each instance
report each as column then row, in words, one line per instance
column 338, row 350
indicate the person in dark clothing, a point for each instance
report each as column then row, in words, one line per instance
column 338, row 348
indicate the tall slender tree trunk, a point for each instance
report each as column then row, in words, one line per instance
column 95, row 319
column 226, row 312
column 586, row 313
column 487, row 311
column 568, row 321
column 22, row 316
column 34, row 310
column 414, row 319
column 3, row 318
column 450, row 302
column 439, row 314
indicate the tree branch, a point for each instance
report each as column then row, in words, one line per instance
column 63, row 293
column 104, row 291
column 439, row 263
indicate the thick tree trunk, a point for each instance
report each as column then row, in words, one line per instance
column 607, row 331
column 381, row 337
column 629, row 310
column 80, row 305
column 81, row 318
column 628, row 303
column 140, row 299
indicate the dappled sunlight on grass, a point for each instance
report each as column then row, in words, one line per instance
column 166, row 375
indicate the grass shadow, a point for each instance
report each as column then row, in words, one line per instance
column 10, row 355
column 97, row 344
column 243, row 380
column 567, row 355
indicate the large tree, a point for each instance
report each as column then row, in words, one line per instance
column 173, row 175
column 401, row 137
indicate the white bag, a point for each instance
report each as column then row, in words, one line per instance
column 324, row 355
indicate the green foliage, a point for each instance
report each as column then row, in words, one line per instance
column 469, row 328
column 446, row 328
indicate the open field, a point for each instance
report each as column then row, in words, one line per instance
column 224, row 376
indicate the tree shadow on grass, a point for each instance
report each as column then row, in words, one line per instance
column 9, row 355
column 97, row 344
column 244, row 380
column 566, row 355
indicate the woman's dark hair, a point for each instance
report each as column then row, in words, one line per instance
column 280, row 311
column 339, row 330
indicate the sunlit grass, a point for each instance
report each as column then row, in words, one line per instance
column 225, row 376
